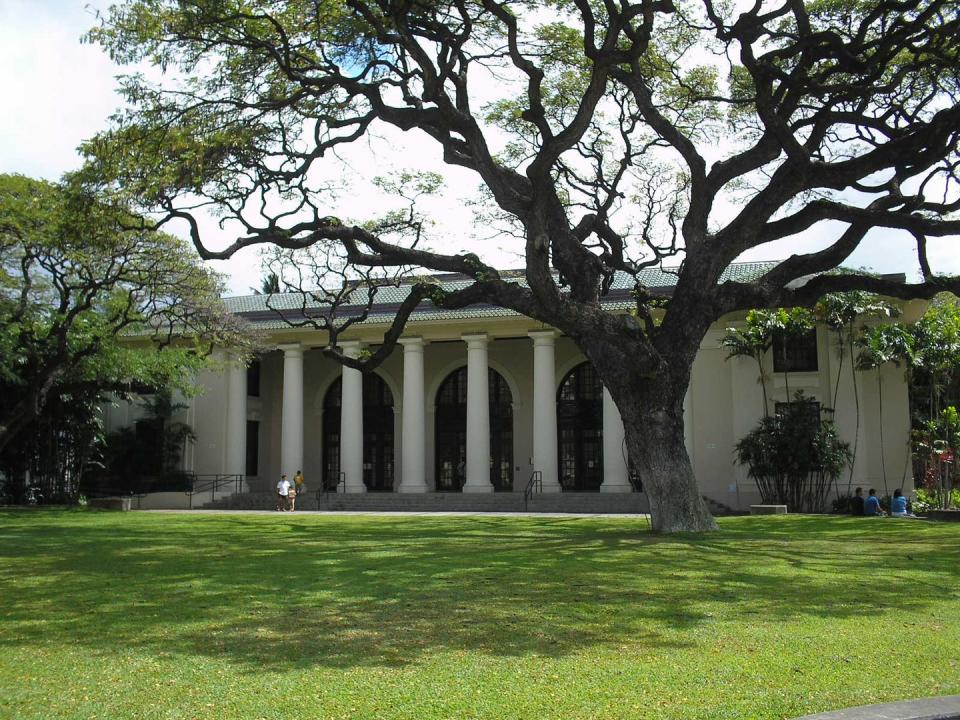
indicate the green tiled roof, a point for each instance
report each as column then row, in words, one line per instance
column 266, row 311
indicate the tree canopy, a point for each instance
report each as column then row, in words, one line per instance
column 607, row 136
column 91, row 300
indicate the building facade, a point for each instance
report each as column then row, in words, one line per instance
column 477, row 400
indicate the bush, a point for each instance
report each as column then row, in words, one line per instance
column 934, row 500
column 935, row 447
column 794, row 456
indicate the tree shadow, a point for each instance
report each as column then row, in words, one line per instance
column 282, row 592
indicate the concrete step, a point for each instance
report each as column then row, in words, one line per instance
column 603, row 503
column 718, row 509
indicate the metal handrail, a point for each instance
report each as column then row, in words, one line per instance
column 534, row 484
column 324, row 490
column 213, row 482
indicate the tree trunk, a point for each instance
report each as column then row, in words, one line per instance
column 653, row 421
column 651, row 405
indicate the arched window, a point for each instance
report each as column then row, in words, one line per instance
column 377, row 434
column 451, row 432
column 580, row 429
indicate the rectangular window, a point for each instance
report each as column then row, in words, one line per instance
column 253, row 448
column 795, row 353
column 149, row 433
column 253, row 379
column 810, row 409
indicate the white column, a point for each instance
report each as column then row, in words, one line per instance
column 291, row 427
column 351, row 422
column 545, row 409
column 615, row 472
column 413, row 423
column 478, row 416
column 746, row 396
column 235, row 461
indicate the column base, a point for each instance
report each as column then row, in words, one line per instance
column 478, row 488
column 361, row 488
column 405, row 488
column 627, row 488
column 551, row 488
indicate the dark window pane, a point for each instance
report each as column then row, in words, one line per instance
column 795, row 353
column 253, row 379
column 580, row 429
column 808, row 408
column 451, row 436
column 378, row 418
column 253, row 448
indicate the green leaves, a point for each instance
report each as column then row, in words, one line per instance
column 937, row 336
column 756, row 337
column 840, row 310
column 92, row 295
column 783, row 451
column 883, row 344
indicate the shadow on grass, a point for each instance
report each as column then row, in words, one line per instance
column 282, row 592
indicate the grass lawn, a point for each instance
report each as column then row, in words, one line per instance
column 140, row 615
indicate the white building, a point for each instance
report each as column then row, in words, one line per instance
column 477, row 400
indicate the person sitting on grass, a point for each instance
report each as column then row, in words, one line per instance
column 898, row 506
column 856, row 502
column 871, row 506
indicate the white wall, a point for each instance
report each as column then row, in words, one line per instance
column 724, row 403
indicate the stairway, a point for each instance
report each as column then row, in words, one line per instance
column 601, row 503
column 718, row 509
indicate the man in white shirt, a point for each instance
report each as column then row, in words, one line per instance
column 283, row 489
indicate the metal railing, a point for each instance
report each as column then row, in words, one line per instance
column 213, row 483
column 326, row 489
column 534, row 484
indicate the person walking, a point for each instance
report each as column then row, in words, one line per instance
column 299, row 482
column 283, row 491
column 291, row 497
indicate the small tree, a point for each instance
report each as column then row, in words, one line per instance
column 794, row 456
column 840, row 312
column 878, row 346
column 757, row 336
column 937, row 358
column 937, row 444
column 270, row 285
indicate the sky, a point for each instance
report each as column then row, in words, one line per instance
column 55, row 92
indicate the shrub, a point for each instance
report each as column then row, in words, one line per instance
column 794, row 456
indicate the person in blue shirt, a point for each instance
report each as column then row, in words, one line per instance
column 898, row 506
column 871, row 506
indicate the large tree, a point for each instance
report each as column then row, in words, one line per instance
column 93, row 300
column 628, row 132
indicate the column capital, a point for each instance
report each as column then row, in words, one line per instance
column 350, row 348
column 290, row 348
column 475, row 339
column 542, row 337
column 411, row 344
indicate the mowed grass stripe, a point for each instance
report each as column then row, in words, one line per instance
column 143, row 615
